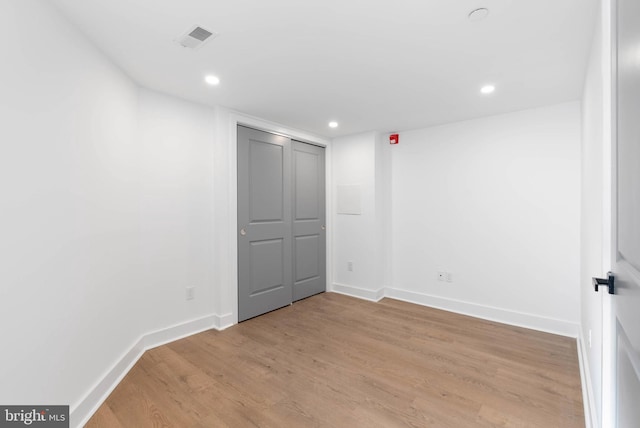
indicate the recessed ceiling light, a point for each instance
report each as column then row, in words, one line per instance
column 487, row 89
column 333, row 124
column 478, row 14
column 212, row 80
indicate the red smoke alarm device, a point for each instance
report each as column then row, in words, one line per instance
column 394, row 139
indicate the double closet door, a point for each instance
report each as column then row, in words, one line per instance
column 281, row 221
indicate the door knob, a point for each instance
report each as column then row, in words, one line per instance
column 609, row 282
column 322, row 227
column 243, row 232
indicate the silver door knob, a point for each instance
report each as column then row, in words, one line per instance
column 322, row 227
column 243, row 232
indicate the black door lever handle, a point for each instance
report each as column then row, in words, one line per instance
column 609, row 282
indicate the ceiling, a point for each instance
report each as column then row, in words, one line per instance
column 384, row 65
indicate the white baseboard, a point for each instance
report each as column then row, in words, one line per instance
column 82, row 412
column 178, row 331
column 519, row 319
column 588, row 399
column 505, row 316
column 223, row 321
column 361, row 293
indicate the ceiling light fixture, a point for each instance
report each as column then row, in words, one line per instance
column 212, row 80
column 478, row 14
column 333, row 124
column 487, row 89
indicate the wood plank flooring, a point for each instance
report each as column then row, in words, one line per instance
column 336, row 361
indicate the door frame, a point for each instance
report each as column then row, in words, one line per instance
column 608, row 9
column 599, row 415
column 235, row 119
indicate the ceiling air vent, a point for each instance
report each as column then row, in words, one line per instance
column 195, row 37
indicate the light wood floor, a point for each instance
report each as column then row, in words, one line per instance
column 336, row 361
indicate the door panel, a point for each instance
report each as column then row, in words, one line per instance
column 309, row 220
column 266, row 259
column 307, row 257
column 629, row 390
column 626, row 215
column 307, row 184
column 629, row 132
column 266, row 182
column 264, row 222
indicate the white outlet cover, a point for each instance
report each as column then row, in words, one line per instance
column 191, row 293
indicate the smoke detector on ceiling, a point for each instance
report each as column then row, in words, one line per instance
column 195, row 37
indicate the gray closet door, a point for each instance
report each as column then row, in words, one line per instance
column 309, row 240
column 264, row 222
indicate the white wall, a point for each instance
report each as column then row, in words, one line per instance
column 105, row 213
column 359, row 238
column 384, row 220
column 176, row 203
column 70, row 214
column 494, row 201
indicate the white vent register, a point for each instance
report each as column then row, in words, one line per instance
column 196, row 37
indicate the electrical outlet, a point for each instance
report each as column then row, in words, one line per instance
column 191, row 293
column 350, row 266
column 449, row 277
column 442, row 276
